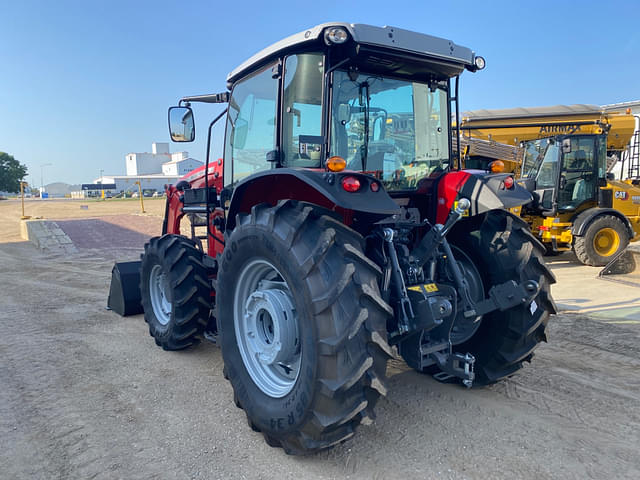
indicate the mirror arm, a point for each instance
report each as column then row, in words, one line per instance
column 210, row 98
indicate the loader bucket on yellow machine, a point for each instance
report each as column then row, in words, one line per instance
column 623, row 268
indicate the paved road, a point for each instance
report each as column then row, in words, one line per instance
column 579, row 290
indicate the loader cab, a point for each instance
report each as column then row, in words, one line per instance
column 565, row 172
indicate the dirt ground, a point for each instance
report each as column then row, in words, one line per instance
column 85, row 393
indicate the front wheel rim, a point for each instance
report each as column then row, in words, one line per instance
column 606, row 242
column 266, row 328
column 158, row 292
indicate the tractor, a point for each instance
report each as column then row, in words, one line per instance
column 339, row 235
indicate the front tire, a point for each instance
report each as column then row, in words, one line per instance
column 605, row 237
column 303, row 275
column 175, row 291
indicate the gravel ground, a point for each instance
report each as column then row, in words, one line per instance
column 87, row 394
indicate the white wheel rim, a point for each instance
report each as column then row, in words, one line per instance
column 158, row 290
column 266, row 328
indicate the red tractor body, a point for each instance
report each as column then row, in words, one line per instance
column 339, row 234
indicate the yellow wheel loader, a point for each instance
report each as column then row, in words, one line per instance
column 566, row 152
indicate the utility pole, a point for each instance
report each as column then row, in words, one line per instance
column 22, row 185
column 140, row 194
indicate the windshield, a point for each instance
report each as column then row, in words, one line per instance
column 393, row 129
column 541, row 162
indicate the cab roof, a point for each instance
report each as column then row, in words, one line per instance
column 387, row 37
column 532, row 112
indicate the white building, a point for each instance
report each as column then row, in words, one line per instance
column 144, row 162
column 180, row 166
column 634, row 145
column 128, row 183
column 633, row 106
column 153, row 170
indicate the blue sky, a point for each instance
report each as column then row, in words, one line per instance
column 82, row 83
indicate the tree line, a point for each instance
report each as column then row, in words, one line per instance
column 12, row 172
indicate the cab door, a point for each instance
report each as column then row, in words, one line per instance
column 541, row 168
column 578, row 174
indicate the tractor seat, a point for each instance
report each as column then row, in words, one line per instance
column 580, row 160
column 579, row 190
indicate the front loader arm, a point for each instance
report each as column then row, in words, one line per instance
column 173, row 211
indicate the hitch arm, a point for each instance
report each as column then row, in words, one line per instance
column 508, row 295
column 436, row 235
column 405, row 310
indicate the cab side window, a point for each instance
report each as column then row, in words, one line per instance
column 251, row 126
column 302, row 110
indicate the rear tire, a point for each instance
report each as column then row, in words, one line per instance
column 504, row 249
column 605, row 237
column 175, row 291
column 337, row 344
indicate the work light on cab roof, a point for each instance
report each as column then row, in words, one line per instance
column 335, row 35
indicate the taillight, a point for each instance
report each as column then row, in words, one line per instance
column 351, row 184
column 508, row 182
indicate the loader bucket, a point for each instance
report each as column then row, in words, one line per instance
column 623, row 268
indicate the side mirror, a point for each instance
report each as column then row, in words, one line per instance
column 239, row 136
column 566, row 145
column 549, row 210
column 181, row 124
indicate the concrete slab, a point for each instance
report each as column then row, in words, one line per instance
column 112, row 232
column 46, row 235
column 580, row 290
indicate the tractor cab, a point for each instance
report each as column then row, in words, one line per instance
column 565, row 172
column 340, row 98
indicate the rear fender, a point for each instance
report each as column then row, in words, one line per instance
column 486, row 193
column 313, row 186
column 584, row 218
column 466, row 225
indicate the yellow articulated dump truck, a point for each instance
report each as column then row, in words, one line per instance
column 565, row 154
